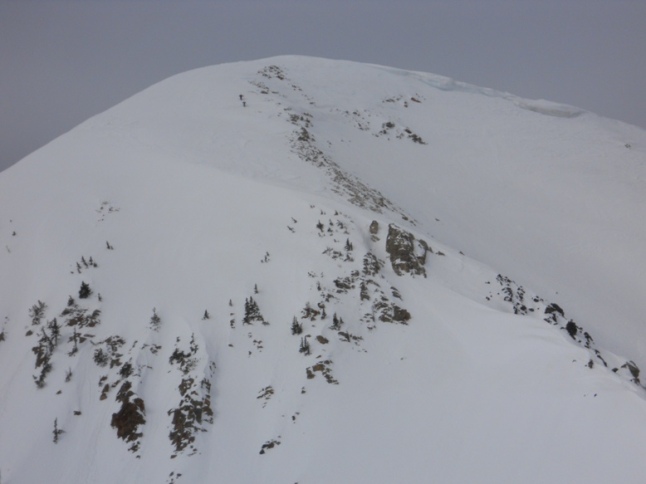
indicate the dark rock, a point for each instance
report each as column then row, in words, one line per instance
column 407, row 255
column 554, row 308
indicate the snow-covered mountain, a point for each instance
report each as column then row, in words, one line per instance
column 315, row 271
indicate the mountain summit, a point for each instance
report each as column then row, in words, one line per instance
column 306, row 270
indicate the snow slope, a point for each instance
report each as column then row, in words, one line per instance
column 235, row 201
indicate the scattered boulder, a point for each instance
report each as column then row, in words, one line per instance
column 554, row 308
column 407, row 255
column 129, row 417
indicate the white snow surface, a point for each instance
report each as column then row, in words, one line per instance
column 283, row 180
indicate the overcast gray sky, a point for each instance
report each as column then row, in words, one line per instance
column 62, row 61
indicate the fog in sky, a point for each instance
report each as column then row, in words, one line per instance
column 62, row 61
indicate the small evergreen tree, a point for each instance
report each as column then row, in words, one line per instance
column 126, row 370
column 305, row 346
column 571, row 328
column 85, row 291
column 336, row 322
column 252, row 312
column 101, row 357
column 155, row 321
column 246, row 319
column 37, row 312
column 54, row 331
column 297, row 328
column 43, row 352
column 74, row 338
column 56, row 431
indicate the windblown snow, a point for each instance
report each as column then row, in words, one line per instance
column 314, row 271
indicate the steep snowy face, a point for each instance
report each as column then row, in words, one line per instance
column 255, row 272
column 547, row 193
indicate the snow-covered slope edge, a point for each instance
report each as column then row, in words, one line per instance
column 416, row 360
column 555, row 202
